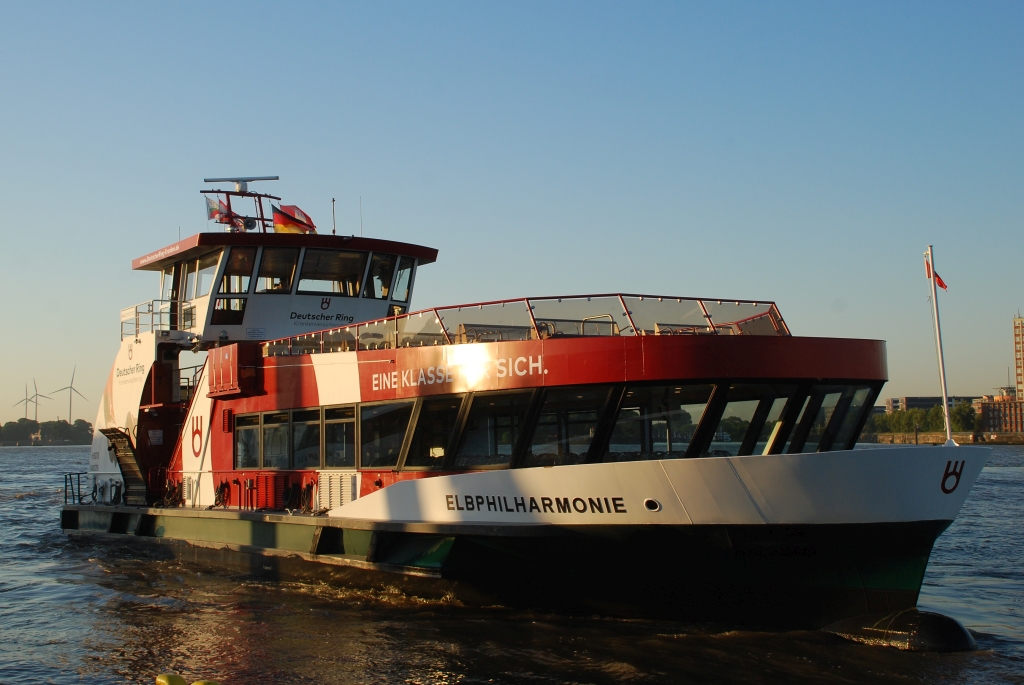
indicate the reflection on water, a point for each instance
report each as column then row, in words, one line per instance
column 70, row 612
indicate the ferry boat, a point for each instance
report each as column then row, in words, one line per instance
column 278, row 406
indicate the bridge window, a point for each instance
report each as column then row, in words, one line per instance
column 228, row 311
column 403, row 280
column 434, row 430
column 247, row 442
column 332, row 272
column 275, row 440
column 205, row 273
column 492, row 428
column 189, row 270
column 167, row 291
column 657, row 422
column 340, row 437
column 382, row 430
column 566, row 426
column 238, row 270
column 378, row 282
column 277, row 269
column 306, row 439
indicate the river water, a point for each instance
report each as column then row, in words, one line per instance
column 74, row 613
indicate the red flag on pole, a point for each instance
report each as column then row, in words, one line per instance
column 938, row 279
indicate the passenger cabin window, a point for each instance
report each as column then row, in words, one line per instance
column 858, row 403
column 566, row 426
column 657, row 422
column 822, row 405
column 277, row 270
column 275, row 440
column 492, row 428
column 382, row 431
column 403, row 280
column 238, row 271
column 332, row 272
column 435, row 428
column 750, row 418
column 378, row 282
column 306, row 439
column 247, row 442
column 340, row 437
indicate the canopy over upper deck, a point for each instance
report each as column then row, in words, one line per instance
column 544, row 318
column 202, row 243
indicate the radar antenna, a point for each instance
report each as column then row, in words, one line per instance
column 238, row 222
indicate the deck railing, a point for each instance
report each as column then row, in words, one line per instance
column 157, row 315
column 541, row 319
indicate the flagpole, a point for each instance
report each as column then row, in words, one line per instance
column 938, row 343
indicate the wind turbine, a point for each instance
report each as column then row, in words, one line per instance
column 35, row 398
column 71, row 392
column 25, row 401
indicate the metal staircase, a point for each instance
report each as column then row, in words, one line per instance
column 132, row 473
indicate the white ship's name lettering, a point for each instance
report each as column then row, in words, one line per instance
column 546, row 505
column 434, row 375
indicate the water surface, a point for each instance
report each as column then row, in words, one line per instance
column 77, row 613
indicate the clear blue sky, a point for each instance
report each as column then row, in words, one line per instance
column 806, row 153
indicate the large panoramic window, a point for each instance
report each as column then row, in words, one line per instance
column 378, row 282
column 434, row 429
column 332, row 272
column 238, row 270
column 277, row 269
column 566, row 426
column 275, row 440
column 247, row 442
column 494, row 423
column 382, row 430
column 340, row 437
column 657, row 422
column 306, row 439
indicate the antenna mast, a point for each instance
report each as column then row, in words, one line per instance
column 334, row 219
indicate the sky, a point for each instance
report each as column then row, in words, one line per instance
column 806, row 153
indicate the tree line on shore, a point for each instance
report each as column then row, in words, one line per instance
column 962, row 418
column 29, row 432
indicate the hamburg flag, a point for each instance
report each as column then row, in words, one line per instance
column 291, row 219
column 938, row 279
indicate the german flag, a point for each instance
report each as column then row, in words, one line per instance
column 291, row 219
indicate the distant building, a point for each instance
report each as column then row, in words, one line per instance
column 904, row 403
column 1001, row 413
column 1018, row 361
